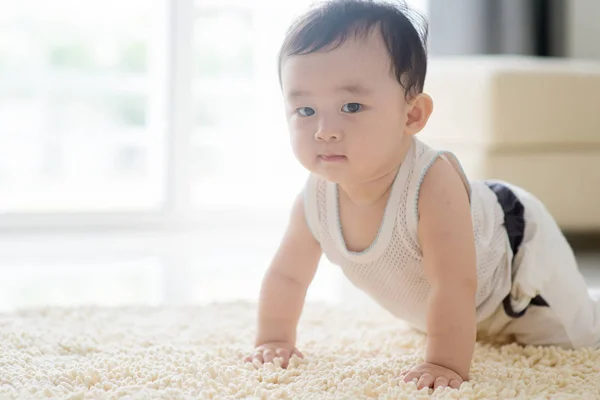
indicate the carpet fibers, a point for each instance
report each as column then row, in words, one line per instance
column 195, row 353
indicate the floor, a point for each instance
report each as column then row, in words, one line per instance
column 116, row 268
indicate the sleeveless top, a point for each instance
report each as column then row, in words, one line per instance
column 391, row 270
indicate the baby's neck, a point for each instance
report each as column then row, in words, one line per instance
column 376, row 191
column 369, row 193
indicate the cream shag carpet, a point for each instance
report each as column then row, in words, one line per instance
column 195, row 352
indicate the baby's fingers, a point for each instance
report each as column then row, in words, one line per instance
column 257, row 357
column 412, row 376
column 440, row 381
column 284, row 354
column 425, row 381
column 297, row 352
column 455, row 383
column 268, row 355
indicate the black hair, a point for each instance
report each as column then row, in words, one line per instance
column 328, row 25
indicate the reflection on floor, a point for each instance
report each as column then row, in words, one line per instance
column 112, row 269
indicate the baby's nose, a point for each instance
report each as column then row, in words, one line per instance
column 328, row 133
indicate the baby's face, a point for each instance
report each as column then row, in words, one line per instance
column 346, row 111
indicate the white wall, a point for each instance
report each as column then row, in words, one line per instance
column 583, row 29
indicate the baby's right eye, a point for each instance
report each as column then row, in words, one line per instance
column 305, row 111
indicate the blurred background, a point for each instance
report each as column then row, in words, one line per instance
column 144, row 156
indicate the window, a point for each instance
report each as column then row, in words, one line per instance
column 78, row 128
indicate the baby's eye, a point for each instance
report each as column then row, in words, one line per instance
column 305, row 111
column 351, row 107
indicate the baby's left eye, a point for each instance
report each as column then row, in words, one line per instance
column 351, row 107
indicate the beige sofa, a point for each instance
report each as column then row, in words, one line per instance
column 531, row 121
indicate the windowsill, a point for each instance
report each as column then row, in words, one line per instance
column 142, row 221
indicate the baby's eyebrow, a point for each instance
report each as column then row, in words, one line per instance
column 352, row 88
column 294, row 94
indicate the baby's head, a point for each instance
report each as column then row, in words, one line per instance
column 352, row 75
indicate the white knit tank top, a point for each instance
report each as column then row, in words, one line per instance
column 391, row 271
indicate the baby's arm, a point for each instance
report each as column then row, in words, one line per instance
column 284, row 289
column 447, row 241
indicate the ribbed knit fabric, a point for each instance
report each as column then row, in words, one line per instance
column 391, row 271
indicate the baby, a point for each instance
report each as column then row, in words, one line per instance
column 456, row 259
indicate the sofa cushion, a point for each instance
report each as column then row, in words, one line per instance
column 515, row 102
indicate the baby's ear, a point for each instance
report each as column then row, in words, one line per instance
column 418, row 111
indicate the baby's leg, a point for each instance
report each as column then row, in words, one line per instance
column 546, row 266
column 540, row 326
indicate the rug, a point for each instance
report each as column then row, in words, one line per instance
column 196, row 353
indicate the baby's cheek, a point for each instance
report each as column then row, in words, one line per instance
column 303, row 149
column 368, row 152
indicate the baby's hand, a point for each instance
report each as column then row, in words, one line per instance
column 267, row 352
column 432, row 376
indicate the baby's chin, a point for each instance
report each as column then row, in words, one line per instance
column 340, row 176
column 340, row 172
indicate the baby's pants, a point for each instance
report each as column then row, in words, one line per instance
column 549, row 303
